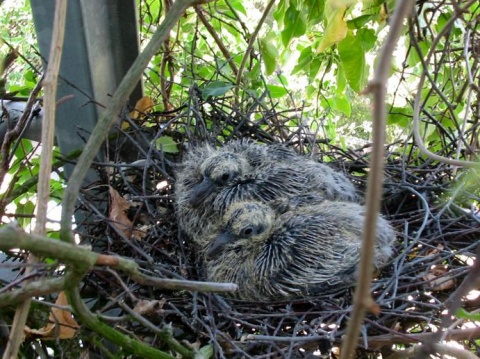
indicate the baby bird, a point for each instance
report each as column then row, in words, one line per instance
column 277, row 256
column 210, row 180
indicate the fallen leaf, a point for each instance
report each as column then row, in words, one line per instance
column 142, row 107
column 145, row 307
column 439, row 279
column 120, row 220
column 61, row 326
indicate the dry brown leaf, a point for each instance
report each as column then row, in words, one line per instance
column 146, row 307
column 118, row 206
column 434, row 251
column 438, row 279
column 142, row 107
column 61, row 326
column 372, row 306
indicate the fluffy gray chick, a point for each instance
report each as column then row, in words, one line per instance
column 211, row 180
column 299, row 253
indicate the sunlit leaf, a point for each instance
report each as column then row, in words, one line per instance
column 279, row 13
column 353, row 62
column 269, row 55
column 400, row 116
column 314, row 10
column 304, row 59
column 360, row 21
column 277, row 91
column 336, row 26
column 342, row 104
column 367, row 38
column 238, row 6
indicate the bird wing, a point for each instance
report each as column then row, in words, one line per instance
column 307, row 251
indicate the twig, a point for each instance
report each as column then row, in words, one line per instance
column 376, row 342
column 441, row 349
column 377, row 86
column 217, row 39
column 165, row 332
column 252, row 40
column 48, row 124
column 81, row 257
column 37, row 288
column 13, row 134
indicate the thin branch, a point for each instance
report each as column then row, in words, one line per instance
column 48, row 123
column 442, row 349
column 252, row 40
column 376, row 342
column 217, row 39
column 14, row 133
column 38, row 288
column 377, row 86
column 84, row 259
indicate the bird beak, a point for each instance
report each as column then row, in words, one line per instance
column 201, row 191
column 220, row 242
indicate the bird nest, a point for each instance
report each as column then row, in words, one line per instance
column 437, row 239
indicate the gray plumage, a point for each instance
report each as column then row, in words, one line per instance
column 306, row 251
column 210, row 180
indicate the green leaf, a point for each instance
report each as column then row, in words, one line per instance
column 314, row 67
column 24, row 211
column 205, row 352
column 360, row 21
column 304, row 59
column 353, row 62
column 269, row 55
column 314, row 10
column 238, row 5
column 216, row 88
column 400, row 116
column 279, row 13
column 367, row 39
column 294, row 25
column 277, row 91
column 463, row 314
column 414, row 57
column 167, row 144
column 342, row 104
column 341, row 80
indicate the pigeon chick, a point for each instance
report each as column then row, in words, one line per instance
column 310, row 250
column 208, row 184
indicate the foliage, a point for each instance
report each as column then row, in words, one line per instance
column 18, row 39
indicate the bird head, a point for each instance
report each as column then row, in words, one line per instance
column 218, row 172
column 245, row 226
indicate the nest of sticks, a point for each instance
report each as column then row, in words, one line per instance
column 437, row 239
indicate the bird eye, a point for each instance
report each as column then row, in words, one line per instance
column 251, row 231
column 248, row 231
column 225, row 177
